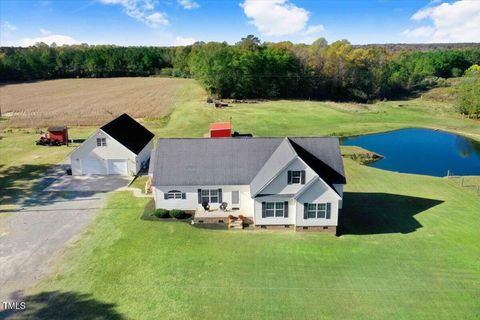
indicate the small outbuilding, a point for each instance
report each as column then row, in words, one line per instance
column 221, row 130
column 58, row 134
column 120, row 147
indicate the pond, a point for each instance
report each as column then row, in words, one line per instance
column 422, row 151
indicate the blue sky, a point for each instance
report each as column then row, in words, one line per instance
column 171, row 22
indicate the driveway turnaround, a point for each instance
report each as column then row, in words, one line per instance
column 34, row 236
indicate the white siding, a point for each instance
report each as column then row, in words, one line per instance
column 113, row 150
column 144, row 155
column 191, row 201
column 280, row 185
column 318, row 192
column 274, row 220
column 278, row 190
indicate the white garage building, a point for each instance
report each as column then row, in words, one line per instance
column 121, row 147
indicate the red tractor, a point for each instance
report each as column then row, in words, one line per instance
column 56, row 136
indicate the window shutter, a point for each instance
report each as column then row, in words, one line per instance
column 302, row 176
column 285, row 207
column 305, row 211
column 220, row 195
column 199, row 195
column 235, row 197
column 289, row 177
column 165, row 196
column 329, row 209
column 264, row 209
column 184, row 195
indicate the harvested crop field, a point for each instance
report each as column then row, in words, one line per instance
column 75, row 102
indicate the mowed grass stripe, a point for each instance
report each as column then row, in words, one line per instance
column 173, row 270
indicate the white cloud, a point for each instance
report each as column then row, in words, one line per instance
column 7, row 27
column 45, row 32
column 421, row 32
column 156, row 19
column 314, row 29
column 188, row 4
column 181, row 41
column 141, row 10
column 278, row 17
column 450, row 22
column 57, row 38
column 6, row 33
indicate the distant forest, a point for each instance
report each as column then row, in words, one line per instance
column 252, row 69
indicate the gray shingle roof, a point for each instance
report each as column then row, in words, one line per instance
column 236, row 161
column 277, row 161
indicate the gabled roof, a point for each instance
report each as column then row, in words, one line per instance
column 129, row 133
column 57, row 128
column 221, row 126
column 280, row 158
column 206, row 161
column 322, row 155
column 241, row 161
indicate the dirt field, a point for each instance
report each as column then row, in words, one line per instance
column 76, row 102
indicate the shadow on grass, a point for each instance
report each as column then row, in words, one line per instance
column 16, row 182
column 377, row 213
column 25, row 184
column 55, row 305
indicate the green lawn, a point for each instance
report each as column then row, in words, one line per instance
column 192, row 116
column 139, row 183
column 409, row 246
column 409, row 250
column 22, row 163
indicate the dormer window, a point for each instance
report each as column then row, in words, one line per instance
column 101, row 142
column 296, row 177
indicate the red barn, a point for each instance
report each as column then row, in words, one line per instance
column 59, row 134
column 221, row 130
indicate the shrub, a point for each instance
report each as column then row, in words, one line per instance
column 177, row 214
column 161, row 213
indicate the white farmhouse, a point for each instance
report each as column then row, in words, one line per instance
column 287, row 183
column 121, row 147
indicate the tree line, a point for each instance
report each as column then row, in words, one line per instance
column 252, row 69
column 51, row 62
column 468, row 96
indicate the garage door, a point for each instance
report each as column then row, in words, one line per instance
column 91, row 166
column 118, row 167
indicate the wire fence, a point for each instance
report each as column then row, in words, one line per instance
column 471, row 183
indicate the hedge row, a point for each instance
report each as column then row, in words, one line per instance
column 174, row 213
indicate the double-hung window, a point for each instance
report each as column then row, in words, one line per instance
column 274, row 209
column 101, row 142
column 296, row 177
column 318, row 211
column 210, row 196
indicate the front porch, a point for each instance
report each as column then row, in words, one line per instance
column 218, row 216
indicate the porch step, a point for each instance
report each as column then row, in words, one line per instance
column 236, row 224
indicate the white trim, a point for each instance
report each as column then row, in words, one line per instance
column 275, row 176
column 321, row 180
column 125, row 161
column 133, row 153
column 306, row 187
column 88, row 174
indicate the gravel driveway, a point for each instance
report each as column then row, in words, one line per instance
column 33, row 237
